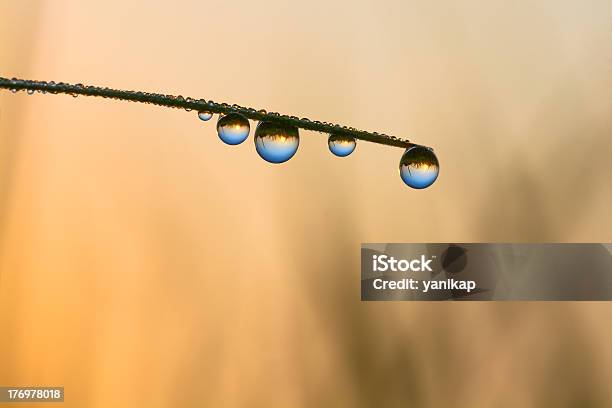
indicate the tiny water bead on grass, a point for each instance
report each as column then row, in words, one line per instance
column 419, row 167
column 233, row 128
column 341, row 145
column 276, row 143
column 205, row 115
column 276, row 137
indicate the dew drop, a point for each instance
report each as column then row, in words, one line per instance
column 233, row 128
column 419, row 167
column 276, row 143
column 30, row 92
column 341, row 145
column 205, row 115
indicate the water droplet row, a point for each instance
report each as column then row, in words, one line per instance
column 277, row 143
column 276, row 136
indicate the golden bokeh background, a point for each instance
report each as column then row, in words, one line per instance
column 145, row 263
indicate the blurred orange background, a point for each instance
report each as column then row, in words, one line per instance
column 145, row 263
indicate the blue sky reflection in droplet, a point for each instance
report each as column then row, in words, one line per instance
column 419, row 167
column 233, row 128
column 341, row 146
column 276, row 143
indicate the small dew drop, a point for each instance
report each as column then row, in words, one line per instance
column 341, row 145
column 30, row 92
column 233, row 128
column 419, row 167
column 205, row 115
column 276, row 143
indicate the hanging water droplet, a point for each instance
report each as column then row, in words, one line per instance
column 30, row 92
column 276, row 143
column 205, row 115
column 341, row 145
column 233, row 128
column 419, row 167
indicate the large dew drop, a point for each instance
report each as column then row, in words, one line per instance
column 419, row 167
column 233, row 128
column 204, row 115
column 341, row 145
column 276, row 143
